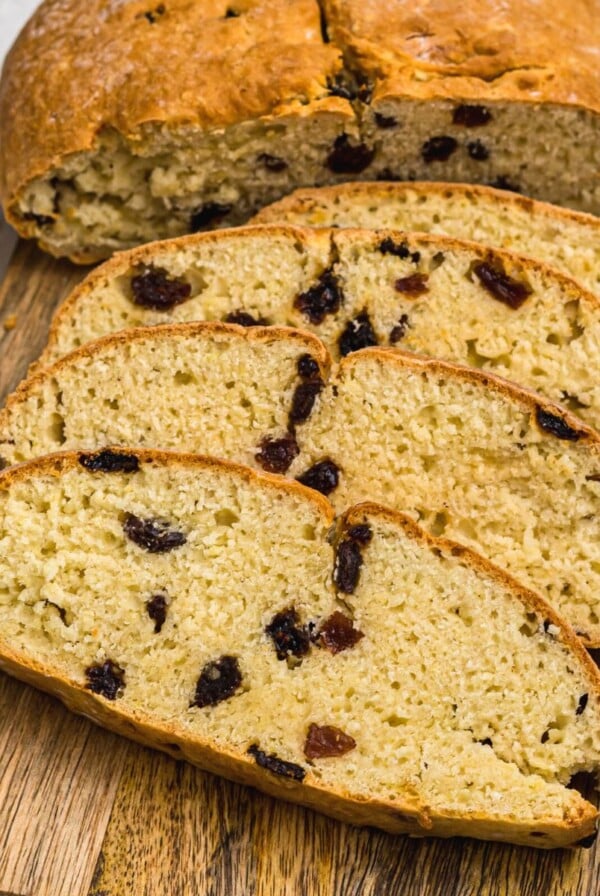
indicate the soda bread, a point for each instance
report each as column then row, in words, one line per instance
column 429, row 294
column 562, row 238
column 211, row 612
column 179, row 116
column 467, row 454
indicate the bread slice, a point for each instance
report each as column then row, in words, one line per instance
column 202, row 609
column 471, row 457
column 429, row 294
column 562, row 238
column 209, row 388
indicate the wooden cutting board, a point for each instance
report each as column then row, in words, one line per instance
column 86, row 813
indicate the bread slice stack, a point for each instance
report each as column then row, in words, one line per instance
column 378, row 674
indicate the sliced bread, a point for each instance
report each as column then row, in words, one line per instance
column 429, row 294
column 564, row 239
column 203, row 609
column 471, row 457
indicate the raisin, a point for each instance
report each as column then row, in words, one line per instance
column 154, row 14
column 346, row 158
column 502, row 287
column 219, row 680
column 581, row 705
column 504, row 183
column 273, row 763
column 413, row 285
column 357, row 334
column 243, row 319
column 272, row 163
column 486, row 742
column 231, row 13
column 154, row 288
column 338, row 633
column 399, row 331
column 324, row 298
column 323, row 476
column 338, row 86
column 210, row 213
column 594, row 477
column 157, row 611
column 323, row 741
column 108, row 461
column 361, row 533
column 401, row 250
column 308, row 368
column 347, row 567
column 365, row 92
column 152, row 535
column 471, row 116
column 107, row 679
column 478, row 151
column 385, row 121
column 276, row 455
column 587, row 842
column 288, row 637
column 556, row 426
column 304, row 400
column 60, row 610
column 40, row 220
column 545, row 737
column 438, row 149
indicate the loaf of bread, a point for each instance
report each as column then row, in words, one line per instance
column 429, row 294
column 468, row 455
column 562, row 238
column 179, row 116
column 387, row 679
column 207, row 388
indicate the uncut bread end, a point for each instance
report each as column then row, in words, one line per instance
column 467, row 744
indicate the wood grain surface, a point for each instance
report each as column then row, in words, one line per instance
column 85, row 813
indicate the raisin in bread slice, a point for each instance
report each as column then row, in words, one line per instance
column 202, row 609
column 564, row 239
column 469, row 456
column 208, row 388
column 425, row 293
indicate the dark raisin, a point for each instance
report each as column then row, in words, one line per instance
column 486, row 742
column 154, row 536
column 323, row 476
column 323, row 741
column 401, row 250
column 278, row 766
column 399, row 331
column 243, row 319
column 504, row 183
column 547, row 624
column 157, row 611
column 502, row 287
column 385, row 121
column 545, row 737
column 338, row 633
column 272, row 163
column 308, row 368
column 346, row 158
column 154, row 14
column 108, row 461
column 365, row 92
column 362, row 533
column 438, row 149
column 289, row 638
column 219, row 680
column 347, row 567
column 210, row 213
column 471, row 116
column 556, row 426
column 276, row 455
column 304, row 400
column 339, row 86
column 594, row 477
column 60, row 610
column 583, row 702
column 107, row 679
column 413, row 285
column 154, row 288
column 231, row 13
column 478, row 150
column 587, row 842
column 324, row 298
column 357, row 334
column 40, row 220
